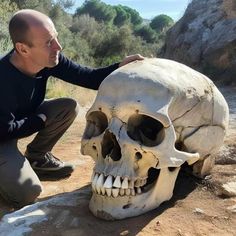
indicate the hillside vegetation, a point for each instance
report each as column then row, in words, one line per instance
column 96, row 34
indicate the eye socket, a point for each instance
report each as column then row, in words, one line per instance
column 145, row 130
column 96, row 124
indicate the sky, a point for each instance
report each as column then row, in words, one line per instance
column 148, row 9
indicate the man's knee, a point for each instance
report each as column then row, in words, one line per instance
column 72, row 106
column 60, row 109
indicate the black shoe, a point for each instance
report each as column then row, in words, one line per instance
column 51, row 167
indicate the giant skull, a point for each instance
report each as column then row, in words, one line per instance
column 149, row 118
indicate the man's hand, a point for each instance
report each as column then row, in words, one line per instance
column 131, row 58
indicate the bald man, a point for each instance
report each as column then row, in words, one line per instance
column 23, row 110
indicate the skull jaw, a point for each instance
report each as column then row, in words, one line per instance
column 109, row 208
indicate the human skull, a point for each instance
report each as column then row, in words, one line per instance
column 149, row 118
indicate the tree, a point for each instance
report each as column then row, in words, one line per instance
column 161, row 22
column 115, row 44
column 122, row 16
column 146, row 33
column 40, row 5
column 135, row 18
column 66, row 4
column 7, row 9
column 88, row 29
column 85, row 25
column 97, row 9
column 59, row 16
column 98, row 34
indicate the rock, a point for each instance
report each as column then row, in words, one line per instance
column 205, row 39
column 227, row 155
column 229, row 189
column 55, row 212
column 232, row 208
column 198, row 211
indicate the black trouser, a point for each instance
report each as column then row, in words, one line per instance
column 18, row 182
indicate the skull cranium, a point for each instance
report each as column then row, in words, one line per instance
column 149, row 118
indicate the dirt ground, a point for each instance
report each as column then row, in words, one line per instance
column 198, row 207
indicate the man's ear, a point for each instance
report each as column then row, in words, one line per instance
column 22, row 49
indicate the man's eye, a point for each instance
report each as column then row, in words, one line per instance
column 49, row 44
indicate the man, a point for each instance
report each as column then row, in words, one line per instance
column 23, row 110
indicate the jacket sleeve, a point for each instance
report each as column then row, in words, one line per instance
column 80, row 75
column 11, row 128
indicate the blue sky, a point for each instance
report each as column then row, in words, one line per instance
column 150, row 8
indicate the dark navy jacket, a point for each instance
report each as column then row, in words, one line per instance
column 20, row 95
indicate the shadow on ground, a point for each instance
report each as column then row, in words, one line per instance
column 68, row 214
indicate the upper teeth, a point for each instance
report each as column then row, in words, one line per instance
column 115, row 186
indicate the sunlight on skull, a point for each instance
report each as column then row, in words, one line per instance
column 149, row 118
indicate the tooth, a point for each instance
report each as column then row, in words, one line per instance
column 117, row 182
column 141, row 182
column 94, row 182
column 144, row 181
column 131, row 183
column 108, row 182
column 137, row 183
column 108, row 191
column 100, row 180
column 132, row 192
column 127, row 192
column 108, row 159
column 122, row 192
column 115, row 192
column 99, row 183
column 125, row 184
column 103, row 191
column 139, row 190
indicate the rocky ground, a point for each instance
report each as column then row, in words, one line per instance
column 198, row 207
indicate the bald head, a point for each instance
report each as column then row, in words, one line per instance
column 21, row 23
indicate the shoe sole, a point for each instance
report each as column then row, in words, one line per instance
column 54, row 174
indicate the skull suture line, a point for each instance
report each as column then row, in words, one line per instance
column 148, row 119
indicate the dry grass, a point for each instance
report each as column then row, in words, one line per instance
column 57, row 88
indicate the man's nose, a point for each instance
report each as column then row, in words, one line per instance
column 57, row 45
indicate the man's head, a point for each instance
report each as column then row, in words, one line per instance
column 35, row 38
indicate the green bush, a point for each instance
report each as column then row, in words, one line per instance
column 96, row 35
column 146, row 33
column 161, row 22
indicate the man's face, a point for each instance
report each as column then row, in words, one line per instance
column 46, row 48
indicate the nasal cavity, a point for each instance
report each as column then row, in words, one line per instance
column 110, row 146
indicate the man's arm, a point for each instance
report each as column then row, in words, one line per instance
column 83, row 76
column 11, row 128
